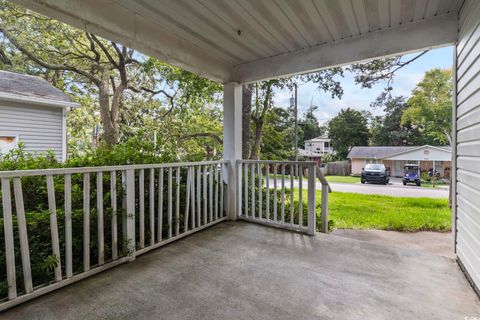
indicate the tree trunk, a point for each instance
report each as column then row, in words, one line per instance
column 259, row 120
column 258, row 139
column 246, row 119
column 110, row 129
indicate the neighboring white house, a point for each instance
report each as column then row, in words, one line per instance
column 319, row 145
column 33, row 112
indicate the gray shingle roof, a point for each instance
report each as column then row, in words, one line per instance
column 30, row 86
column 376, row 152
column 319, row 137
column 381, row 151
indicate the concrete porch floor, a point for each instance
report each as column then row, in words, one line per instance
column 238, row 270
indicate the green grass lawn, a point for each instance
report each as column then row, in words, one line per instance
column 366, row 211
column 343, row 179
column 428, row 184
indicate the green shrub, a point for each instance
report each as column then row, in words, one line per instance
column 425, row 177
column 37, row 214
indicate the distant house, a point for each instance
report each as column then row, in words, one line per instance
column 319, row 145
column 33, row 112
column 310, row 156
column 394, row 158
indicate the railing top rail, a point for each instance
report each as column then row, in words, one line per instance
column 59, row 171
column 322, row 179
column 305, row 163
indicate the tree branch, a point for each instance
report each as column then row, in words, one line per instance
column 105, row 51
column 4, row 58
column 202, row 135
column 170, row 97
column 92, row 47
column 44, row 64
column 374, row 75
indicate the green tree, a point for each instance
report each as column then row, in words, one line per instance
column 278, row 139
column 349, row 128
column 81, row 63
column 263, row 102
column 310, row 126
column 129, row 94
column 105, row 67
column 430, row 106
column 388, row 130
column 258, row 101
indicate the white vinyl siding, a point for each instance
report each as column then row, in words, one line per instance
column 467, row 141
column 38, row 127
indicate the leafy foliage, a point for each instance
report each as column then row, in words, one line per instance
column 278, row 135
column 388, row 130
column 133, row 151
column 310, row 126
column 119, row 89
column 349, row 128
column 430, row 106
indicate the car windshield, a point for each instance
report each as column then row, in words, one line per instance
column 373, row 166
column 411, row 171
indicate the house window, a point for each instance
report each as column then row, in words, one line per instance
column 368, row 161
column 327, row 144
column 8, row 143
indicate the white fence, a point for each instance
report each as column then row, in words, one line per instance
column 137, row 208
column 266, row 193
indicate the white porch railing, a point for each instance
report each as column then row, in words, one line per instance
column 266, row 193
column 148, row 205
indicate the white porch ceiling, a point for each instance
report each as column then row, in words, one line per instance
column 250, row 40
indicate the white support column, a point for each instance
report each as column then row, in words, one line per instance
column 232, row 142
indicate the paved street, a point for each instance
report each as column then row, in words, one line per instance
column 395, row 189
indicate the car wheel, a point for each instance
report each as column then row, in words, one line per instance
column 418, row 183
column 404, row 183
column 362, row 181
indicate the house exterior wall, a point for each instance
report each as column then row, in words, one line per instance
column 425, row 165
column 318, row 145
column 357, row 166
column 389, row 165
column 40, row 128
column 466, row 140
column 318, row 160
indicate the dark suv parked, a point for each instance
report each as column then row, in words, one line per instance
column 374, row 172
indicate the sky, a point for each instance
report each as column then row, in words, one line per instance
column 356, row 97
